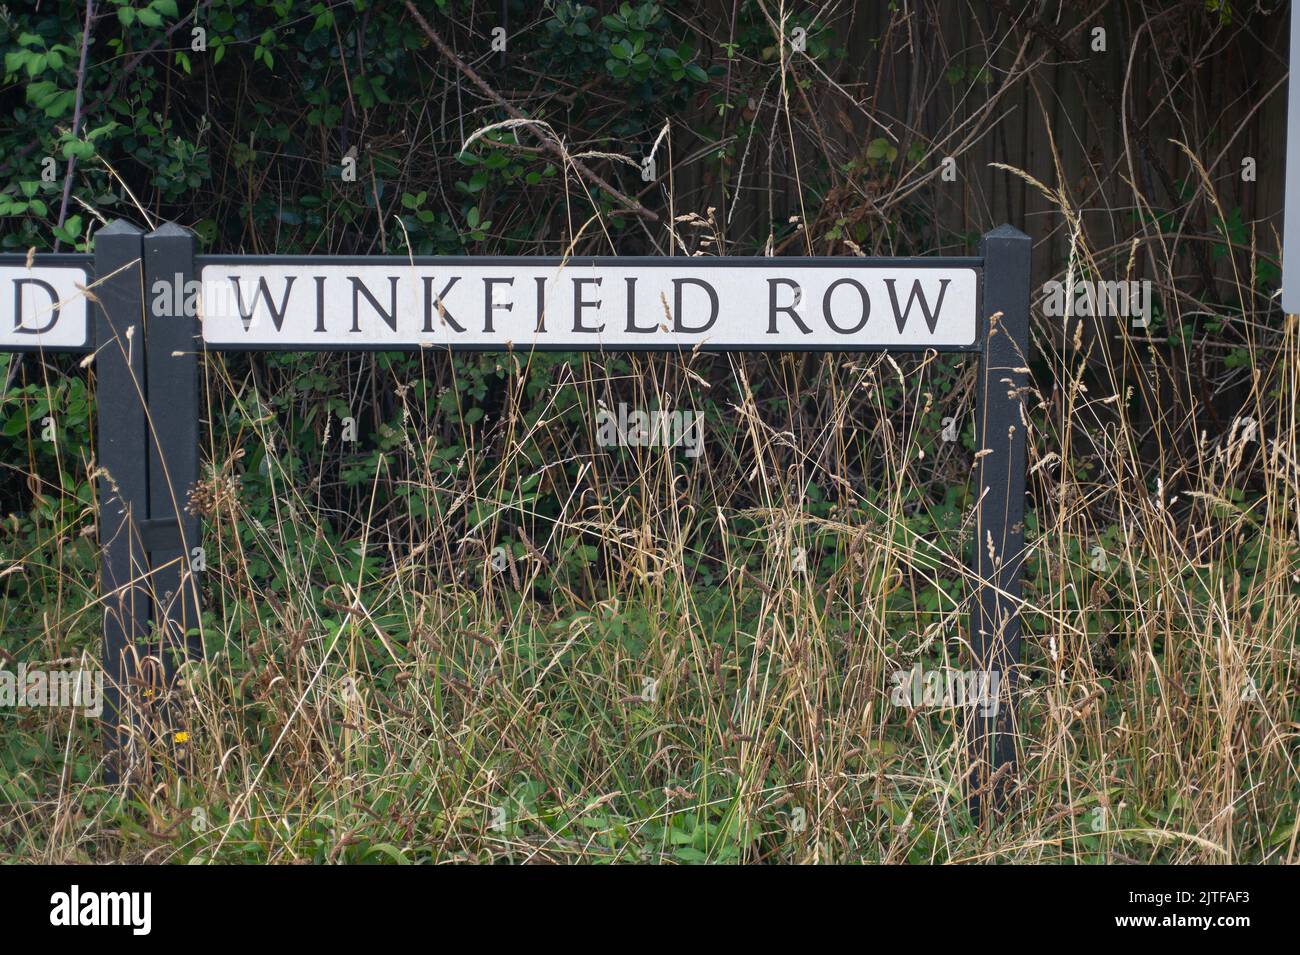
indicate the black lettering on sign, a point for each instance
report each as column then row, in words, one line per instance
column 389, row 317
column 632, row 326
column 429, row 302
column 320, row 302
column 541, row 303
column 866, row 306
column 19, row 327
column 678, row 324
column 489, row 304
column 900, row 318
column 277, row 314
column 773, row 308
column 579, row 304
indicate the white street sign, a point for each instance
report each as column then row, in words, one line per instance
column 43, row 307
column 770, row 303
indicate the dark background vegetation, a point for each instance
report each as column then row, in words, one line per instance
column 832, row 152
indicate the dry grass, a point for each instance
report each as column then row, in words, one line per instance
column 432, row 707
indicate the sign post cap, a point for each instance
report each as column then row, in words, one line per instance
column 120, row 227
column 1005, row 231
column 170, row 230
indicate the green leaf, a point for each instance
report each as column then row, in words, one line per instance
column 881, row 148
column 385, row 849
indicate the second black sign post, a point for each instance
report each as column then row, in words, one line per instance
column 173, row 382
column 1001, row 423
column 166, row 367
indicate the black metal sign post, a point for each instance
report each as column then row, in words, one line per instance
column 1001, row 423
column 122, row 464
column 293, row 303
column 173, row 398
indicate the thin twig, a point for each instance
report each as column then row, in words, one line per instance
column 76, row 120
column 592, row 177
